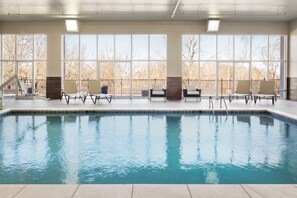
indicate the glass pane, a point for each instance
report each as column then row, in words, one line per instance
column 88, row 72
column 8, row 71
column 40, row 47
column 242, row 47
column 225, row 47
column 88, row 47
column 140, row 78
column 241, row 71
column 25, row 47
column 208, row 78
column 259, row 72
column 158, row 72
column 71, row 70
column 25, row 73
column 190, row 73
column 259, row 50
column 207, row 47
column 106, row 47
column 274, row 73
column 158, row 47
column 122, row 79
column 40, row 79
column 274, row 70
column 107, row 75
column 140, row 47
column 123, row 47
column 225, row 78
column 274, row 47
column 190, row 47
column 8, row 47
column 71, row 47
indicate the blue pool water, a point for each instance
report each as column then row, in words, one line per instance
column 152, row 148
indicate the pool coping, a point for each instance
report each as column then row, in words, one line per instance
column 40, row 111
column 250, row 190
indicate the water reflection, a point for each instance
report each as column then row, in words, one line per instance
column 151, row 148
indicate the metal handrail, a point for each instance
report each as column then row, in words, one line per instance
column 14, row 77
column 210, row 101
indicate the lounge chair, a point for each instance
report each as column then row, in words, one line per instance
column 192, row 92
column 157, row 90
column 243, row 90
column 70, row 91
column 266, row 91
column 95, row 92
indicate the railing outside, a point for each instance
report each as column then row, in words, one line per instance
column 225, row 87
column 39, row 89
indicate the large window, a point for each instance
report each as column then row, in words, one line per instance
column 127, row 64
column 24, row 55
column 216, row 62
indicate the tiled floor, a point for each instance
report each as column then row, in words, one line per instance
column 283, row 107
column 147, row 191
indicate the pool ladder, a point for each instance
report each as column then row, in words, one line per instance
column 14, row 77
column 222, row 99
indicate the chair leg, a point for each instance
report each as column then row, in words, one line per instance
column 272, row 100
column 94, row 101
column 255, row 99
column 62, row 95
column 109, row 100
column 246, row 99
column 67, row 98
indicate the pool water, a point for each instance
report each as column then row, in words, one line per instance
column 152, row 148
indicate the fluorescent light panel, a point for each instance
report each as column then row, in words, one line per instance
column 71, row 25
column 213, row 25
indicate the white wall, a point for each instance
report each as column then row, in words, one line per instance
column 174, row 31
column 292, row 69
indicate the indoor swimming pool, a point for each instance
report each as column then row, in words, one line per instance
column 151, row 148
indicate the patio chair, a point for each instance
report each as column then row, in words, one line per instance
column 157, row 90
column 192, row 92
column 266, row 91
column 95, row 92
column 243, row 90
column 70, row 91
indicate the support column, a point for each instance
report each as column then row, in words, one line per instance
column 53, row 79
column 174, row 66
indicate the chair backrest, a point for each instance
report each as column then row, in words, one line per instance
column 157, row 87
column 22, row 86
column 267, row 87
column 70, row 87
column 243, row 87
column 191, row 87
column 94, row 87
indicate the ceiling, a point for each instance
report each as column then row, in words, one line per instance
column 148, row 10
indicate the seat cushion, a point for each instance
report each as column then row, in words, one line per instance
column 157, row 87
column 193, row 92
column 191, row 88
column 158, row 92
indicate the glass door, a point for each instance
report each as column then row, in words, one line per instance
column 225, row 78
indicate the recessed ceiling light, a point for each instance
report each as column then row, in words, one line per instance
column 71, row 25
column 213, row 25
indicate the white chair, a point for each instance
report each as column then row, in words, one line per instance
column 266, row 91
column 192, row 92
column 157, row 90
column 96, row 93
column 243, row 90
column 70, row 91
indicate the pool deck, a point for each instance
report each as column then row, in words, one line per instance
column 282, row 107
column 147, row 191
